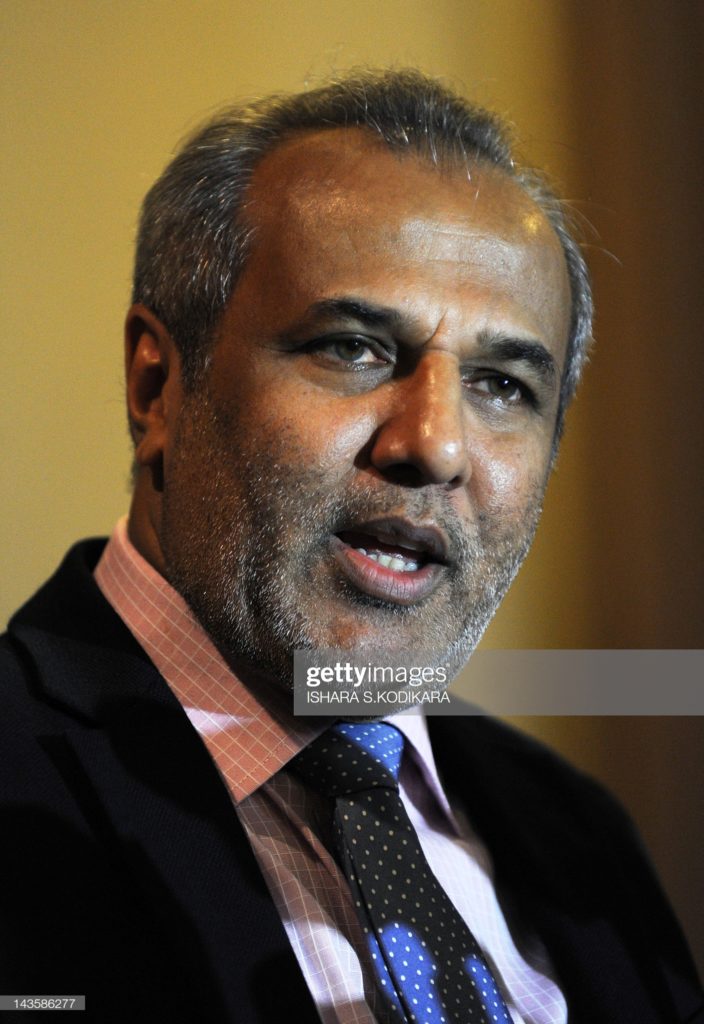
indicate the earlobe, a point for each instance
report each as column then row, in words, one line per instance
column 150, row 364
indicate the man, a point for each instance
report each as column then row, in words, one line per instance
column 356, row 327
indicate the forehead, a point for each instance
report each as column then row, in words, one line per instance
column 339, row 212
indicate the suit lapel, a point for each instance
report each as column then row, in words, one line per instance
column 151, row 791
column 174, row 824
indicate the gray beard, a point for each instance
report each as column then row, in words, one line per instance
column 243, row 553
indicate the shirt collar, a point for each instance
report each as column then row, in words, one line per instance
column 250, row 735
column 414, row 727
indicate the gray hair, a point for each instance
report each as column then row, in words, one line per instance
column 194, row 238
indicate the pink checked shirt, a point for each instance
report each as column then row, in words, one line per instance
column 251, row 739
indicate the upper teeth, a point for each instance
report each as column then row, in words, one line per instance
column 395, row 562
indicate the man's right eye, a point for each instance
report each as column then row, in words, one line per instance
column 350, row 350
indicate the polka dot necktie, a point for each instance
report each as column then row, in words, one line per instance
column 429, row 967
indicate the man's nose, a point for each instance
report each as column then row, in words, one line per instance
column 423, row 437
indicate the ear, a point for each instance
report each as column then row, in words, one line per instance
column 152, row 372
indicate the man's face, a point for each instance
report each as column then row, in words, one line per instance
column 364, row 465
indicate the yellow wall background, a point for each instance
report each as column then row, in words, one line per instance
column 95, row 95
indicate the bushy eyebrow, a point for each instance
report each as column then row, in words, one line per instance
column 368, row 313
column 498, row 346
column 519, row 350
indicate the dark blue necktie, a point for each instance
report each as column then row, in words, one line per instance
column 429, row 965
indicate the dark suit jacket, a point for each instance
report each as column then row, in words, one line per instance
column 126, row 876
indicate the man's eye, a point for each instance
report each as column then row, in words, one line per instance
column 506, row 389
column 351, row 350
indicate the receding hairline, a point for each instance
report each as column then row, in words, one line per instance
column 452, row 165
column 451, row 161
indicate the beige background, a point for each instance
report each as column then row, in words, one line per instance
column 606, row 96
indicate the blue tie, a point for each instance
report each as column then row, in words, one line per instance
column 430, row 969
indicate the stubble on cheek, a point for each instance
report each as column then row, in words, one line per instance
column 241, row 532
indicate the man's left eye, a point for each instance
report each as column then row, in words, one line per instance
column 506, row 389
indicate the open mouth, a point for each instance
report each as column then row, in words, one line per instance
column 390, row 556
column 392, row 559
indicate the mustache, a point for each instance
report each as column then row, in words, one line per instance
column 367, row 503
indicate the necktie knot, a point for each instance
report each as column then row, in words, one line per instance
column 351, row 757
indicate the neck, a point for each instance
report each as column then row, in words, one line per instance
column 143, row 527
